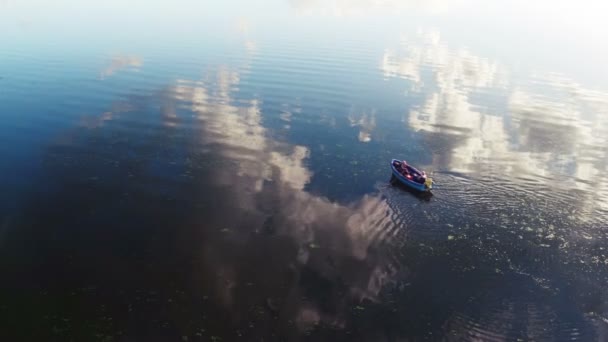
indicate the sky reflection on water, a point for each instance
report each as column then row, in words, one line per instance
column 228, row 177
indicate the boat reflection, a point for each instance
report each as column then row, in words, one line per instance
column 421, row 195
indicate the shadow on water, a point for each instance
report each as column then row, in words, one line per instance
column 421, row 195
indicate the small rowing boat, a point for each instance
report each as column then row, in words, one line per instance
column 410, row 176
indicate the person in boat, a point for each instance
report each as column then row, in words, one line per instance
column 405, row 171
column 421, row 178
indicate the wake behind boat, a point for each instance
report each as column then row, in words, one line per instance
column 410, row 176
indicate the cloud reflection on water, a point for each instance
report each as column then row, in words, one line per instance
column 366, row 123
column 538, row 140
column 561, row 125
column 264, row 166
column 121, row 62
column 267, row 180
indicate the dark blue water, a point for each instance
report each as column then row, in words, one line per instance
column 188, row 171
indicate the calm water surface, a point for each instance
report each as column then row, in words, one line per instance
column 185, row 171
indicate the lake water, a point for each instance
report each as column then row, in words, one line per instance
column 219, row 171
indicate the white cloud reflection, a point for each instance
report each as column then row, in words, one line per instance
column 366, row 123
column 561, row 125
column 121, row 62
column 266, row 167
column 239, row 130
